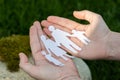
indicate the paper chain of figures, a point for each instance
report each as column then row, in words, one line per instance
column 61, row 39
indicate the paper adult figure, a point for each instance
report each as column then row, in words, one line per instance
column 80, row 35
column 52, row 47
column 61, row 38
column 52, row 59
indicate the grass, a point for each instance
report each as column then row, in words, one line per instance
column 16, row 17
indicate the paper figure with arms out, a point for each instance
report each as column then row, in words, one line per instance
column 52, row 47
column 80, row 35
column 52, row 59
column 61, row 38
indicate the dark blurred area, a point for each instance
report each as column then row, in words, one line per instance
column 16, row 16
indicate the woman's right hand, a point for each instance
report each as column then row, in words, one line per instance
column 97, row 31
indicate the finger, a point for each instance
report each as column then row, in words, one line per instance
column 23, row 58
column 66, row 22
column 44, row 49
column 40, row 33
column 85, row 15
column 47, row 32
column 46, row 24
column 24, row 64
column 35, row 44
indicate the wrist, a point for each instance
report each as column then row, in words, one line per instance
column 113, row 45
column 71, row 78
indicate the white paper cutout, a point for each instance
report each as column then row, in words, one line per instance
column 80, row 35
column 52, row 47
column 52, row 59
column 61, row 38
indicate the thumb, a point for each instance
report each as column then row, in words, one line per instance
column 85, row 15
column 24, row 64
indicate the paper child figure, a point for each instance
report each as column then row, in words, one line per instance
column 52, row 59
column 61, row 38
column 80, row 35
column 52, row 47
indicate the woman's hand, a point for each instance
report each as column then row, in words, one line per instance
column 42, row 69
column 97, row 31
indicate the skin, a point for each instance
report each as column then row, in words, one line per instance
column 97, row 31
column 104, row 45
column 42, row 69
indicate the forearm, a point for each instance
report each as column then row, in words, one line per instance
column 114, row 46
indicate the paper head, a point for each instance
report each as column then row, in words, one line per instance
column 51, row 28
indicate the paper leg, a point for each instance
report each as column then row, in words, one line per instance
column 52, row 59
column 75, row 46
column 58, row 63
column 64, row 57
column 71, row 49
column 84, row 41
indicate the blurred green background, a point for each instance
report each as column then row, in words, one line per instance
column 16, row 17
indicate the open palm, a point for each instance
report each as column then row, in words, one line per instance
column 42, row 69
column 97, row 31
